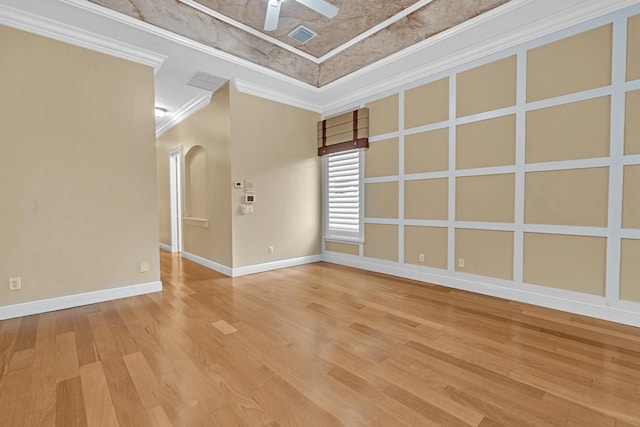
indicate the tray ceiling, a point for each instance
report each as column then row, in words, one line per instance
column 363, row 32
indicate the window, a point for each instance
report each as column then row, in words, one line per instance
column 343, row 199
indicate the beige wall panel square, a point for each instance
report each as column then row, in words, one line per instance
column 344, row 248
column 427, row 104
column 487, row 198
column 631, row 197
column 630, row 270
column 570, row 65
column 578, row 130
column 381, row 200
column 486, row 143
column 381, row 241
column 574, row 263
column 485, row 252
column 383, row 115
column 430, row 241
column 426, row 199
column 381, row 159
column 486, row 88
column 567, row 197
column 426, row 151
column 632, row 123
column 633, row 48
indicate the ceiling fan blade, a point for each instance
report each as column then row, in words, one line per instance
column 273, row 14
column 321, row 6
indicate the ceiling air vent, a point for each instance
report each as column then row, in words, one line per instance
column 205, row 81
column 302, row 34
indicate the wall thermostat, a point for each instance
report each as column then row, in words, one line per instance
column 238, row 184
column 249, row 198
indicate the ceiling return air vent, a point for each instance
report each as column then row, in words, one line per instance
column 302, row 34
column 205, row 81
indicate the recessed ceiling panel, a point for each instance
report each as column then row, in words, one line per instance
column 355, row 17
column 362, row 32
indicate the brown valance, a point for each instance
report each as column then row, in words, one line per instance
column 344, row 132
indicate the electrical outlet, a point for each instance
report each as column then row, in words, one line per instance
column 421, row 257
column 461, row 262
column 144, row 267
column 15, row 284
column 270, row 249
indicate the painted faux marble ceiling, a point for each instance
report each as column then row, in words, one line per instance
column 344, row 44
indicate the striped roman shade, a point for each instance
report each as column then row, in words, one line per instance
column 344, row 132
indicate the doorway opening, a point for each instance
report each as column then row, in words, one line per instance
column 175, row 191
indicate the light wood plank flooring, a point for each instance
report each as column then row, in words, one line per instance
column 317, row 345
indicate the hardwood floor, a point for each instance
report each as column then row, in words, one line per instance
column 313, row 346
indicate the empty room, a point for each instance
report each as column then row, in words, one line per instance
column 280, row 213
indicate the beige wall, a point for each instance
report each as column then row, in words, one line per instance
column 632, row 124
column 570, row 65
column 578, row 130
column 432, row 242
column 486, row 143
column 209, row 128
column 631, row 197
column 575, row 263
column 381, row 200
column 485, row 252
column 245, row 138
column 486, row 88
column 633, row 48
column 377, row 158
column 381, row 241
column 344, row 248
column 426, row 199
column 195, row 178
column 487, row 198
column 427, row 104
column 426, row 151
column 383, row 116
column 577, row 197
column 630, row 270
column 78, row 181
column 275, row 145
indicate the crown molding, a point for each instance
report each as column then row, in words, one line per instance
column 35, row 24
column 260, row 91
column 369, row 81
column 590, row 9
column 184, row 41
column 187, row 109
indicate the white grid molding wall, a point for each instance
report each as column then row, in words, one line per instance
column 517, row 175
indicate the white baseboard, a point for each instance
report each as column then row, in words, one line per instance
column 251, row 269
column 227, row 271
column 76, row 300
column 624, row 312
column 165, row 246
column 260, row 268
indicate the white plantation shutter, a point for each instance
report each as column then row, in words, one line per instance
column 343, row 194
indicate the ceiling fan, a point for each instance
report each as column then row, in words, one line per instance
column 320, row 6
